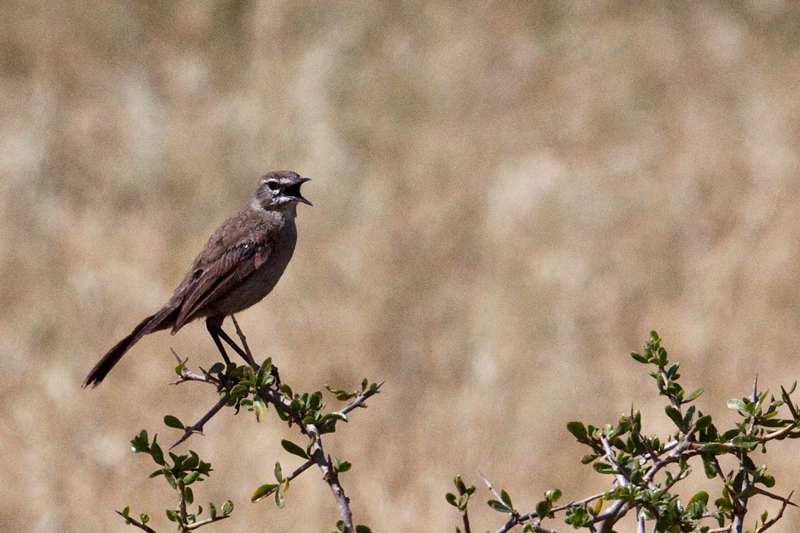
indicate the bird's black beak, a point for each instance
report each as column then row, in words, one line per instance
column 293, row 190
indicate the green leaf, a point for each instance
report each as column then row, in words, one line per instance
column 578, row 430
column 140, row 443
column 260, row 408
column 170, row 479
column 279, row 499
column 604, row 468
column 640, row 358
column 263, row 491
column 506, row 498
column 586, row 459
column 703, row 422
column 278, row 472
column 745, row 442
column 553, row 495
column 227, row 508
column 341, row 466
column 363, row 529
column 693, row 396
column 701, row 496
column 294, row 449
column 156, row 453
column 173, row 422
column 173, row 515
column 675, row 415
column 192, row 462
column 216, row 368
column 498, row 506
column 191, row 477
column 239, row 391
column 180, row 366
column 451, row 499
column 737, row 404
column 543, row 508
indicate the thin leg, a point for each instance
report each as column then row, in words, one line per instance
column 214, row 330
column 235, row 346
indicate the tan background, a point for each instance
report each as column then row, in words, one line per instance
column 508, row 197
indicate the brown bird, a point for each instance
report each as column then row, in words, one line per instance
column 239, row 265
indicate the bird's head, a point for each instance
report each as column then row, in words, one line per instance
column 280, row 189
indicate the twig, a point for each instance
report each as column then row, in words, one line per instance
column 769, row 523
column 252, row 361
column 201, row 523
column 331, row 477
column 136, row 523
column 189, row 430
column 305, row 466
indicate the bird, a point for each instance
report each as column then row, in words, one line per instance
column 239, row 265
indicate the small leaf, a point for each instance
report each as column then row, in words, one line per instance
column 173, row 422
column 703, row 422
column 701, row 496
column 260, row 409
column 553, row 495
column 363, row 529
column 578, row 430
column 640, row 358
column 737, row 404
column 498, row 506
column 693, row 396
column 227, row 508
column 180, row 366
column 191, row 477
column 451, row 499
column 278, row 472
column 156, row 453
column 294, row 449
column 279, row 500
column 140, row 443
column 173, row 515
column 506, row 498
column 263, row 491
column 675, row 416
column 543, row 508
column 239, row 391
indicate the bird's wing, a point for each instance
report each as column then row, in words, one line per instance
column 226, row 260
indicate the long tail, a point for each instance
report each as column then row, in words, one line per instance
column 150, row 324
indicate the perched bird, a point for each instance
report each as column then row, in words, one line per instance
column 239, row 265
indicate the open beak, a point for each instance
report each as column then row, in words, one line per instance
column 293, row 190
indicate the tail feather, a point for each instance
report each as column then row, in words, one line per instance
column 150, row 324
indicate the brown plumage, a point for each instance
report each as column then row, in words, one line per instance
column 239, row 265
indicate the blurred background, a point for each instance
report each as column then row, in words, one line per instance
column 508, row 197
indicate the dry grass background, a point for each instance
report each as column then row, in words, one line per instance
column 508, row 197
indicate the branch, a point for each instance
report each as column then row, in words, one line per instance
column 331, row 477
column 188, row 431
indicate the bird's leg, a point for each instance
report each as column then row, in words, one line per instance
column 232, row 343
column 214, row 330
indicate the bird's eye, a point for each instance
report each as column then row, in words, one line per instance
column 273, row 185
